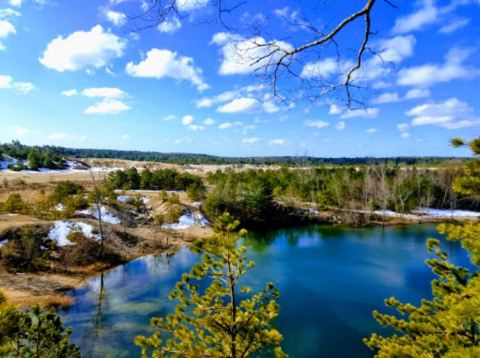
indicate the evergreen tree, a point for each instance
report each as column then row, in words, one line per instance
column 448, row 324
column 33, row 333
column 225, row 319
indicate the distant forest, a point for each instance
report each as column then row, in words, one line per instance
column 20, row 151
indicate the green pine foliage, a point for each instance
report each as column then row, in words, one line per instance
column 36, row 332
column 225, row 319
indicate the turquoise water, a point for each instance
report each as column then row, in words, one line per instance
column 330, row 280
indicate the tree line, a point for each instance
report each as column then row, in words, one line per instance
column 20, row 151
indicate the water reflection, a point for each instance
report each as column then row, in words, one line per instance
column 330, row 280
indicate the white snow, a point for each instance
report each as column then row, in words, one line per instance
column 442, row 213
column 59, row 207
column 107, row 216
column 60, row 230
column 123, row 198
column 3, row 243
column 187, row 220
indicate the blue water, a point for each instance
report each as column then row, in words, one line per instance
column 330, row 280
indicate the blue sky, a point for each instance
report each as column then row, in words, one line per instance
column 73, row 73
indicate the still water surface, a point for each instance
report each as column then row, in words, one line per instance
column 330, row 280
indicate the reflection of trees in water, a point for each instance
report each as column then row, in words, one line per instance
column 98, row 314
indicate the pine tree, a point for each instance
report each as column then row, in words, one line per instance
column 225, row 319
column 33, row 333
column 447, row 325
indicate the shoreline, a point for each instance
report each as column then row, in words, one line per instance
column 51, row 288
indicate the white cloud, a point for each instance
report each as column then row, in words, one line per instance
column 418, row 93
column 107, row 106
column 430, row 74
column 317, row 124
column 190, row 5
column 277, row 141
column 454, row 25
column 125, row 136
column 351, row 113
column 116, row 18
column 170, row 25
column 405, row 135
column 69, row 93
column 251, row 140
column 325, row 68
column 6, row 28
column 450, row 114
column 371, row 130
column 16, row 3
column 57, row 136
column 424, row 16
column 195, row 127
column 226, row 125
column 7, row 82
column 387, row 97
column 209, row 122
column 187, row 120
column 82, row 49
column 403, row 127
column 340, row 126
column 169, row 117
column 104, row 92
column 244, row 56
column 239, row 105
column 165, row 63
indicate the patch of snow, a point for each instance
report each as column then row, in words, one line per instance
column 184, row 222
column 7, row 215
column 188, row 220
column 123, row 198
column 445, row 213
column 197, row 204
column 59, row 207
column 60, row 230
column 107, row 216
column 3, row 243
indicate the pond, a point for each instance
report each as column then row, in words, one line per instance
column 330, row 279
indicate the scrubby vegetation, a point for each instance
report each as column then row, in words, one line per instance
column 258, row 194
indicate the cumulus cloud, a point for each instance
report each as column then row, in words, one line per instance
column 190, row 5
column 170, row 25
column 351, row 113
column 107, row 106
column 238, row 105
column 7, row 82
column 187, row 120
column 165, row 63
column 227, row 125
column 392, row 97
column 417, row 93
column 251, row 140
column 450, row 114
column 371, row 130
column 244, row 56
column 404, row 130
column 6, row 28
column 116, row 18
column 387, row 97
column 427, row 14
column 82, row 50
column 430, row 74
column 317, row 124
column 325, row 68
column 277, row 141
column 340, row 126
column 104, row 92
column 209, row 122
column 69, row 93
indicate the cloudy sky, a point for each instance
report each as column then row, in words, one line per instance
column 90, row 74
